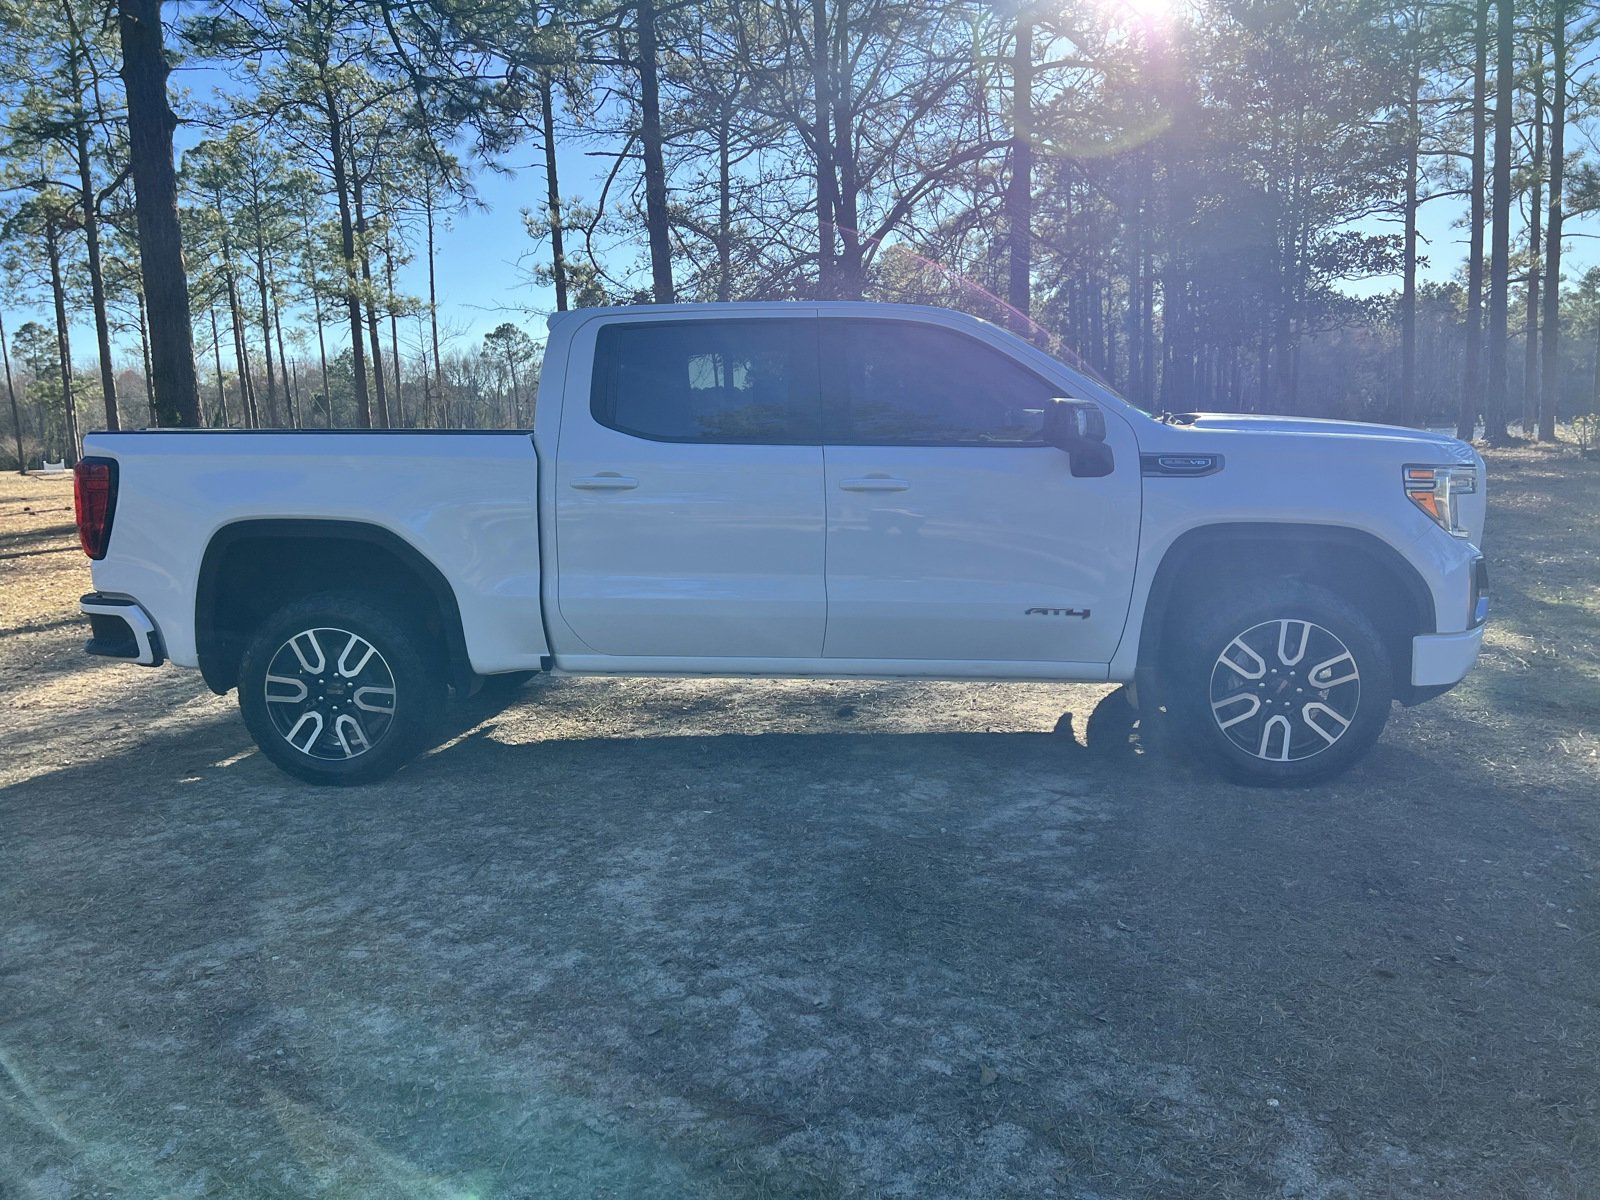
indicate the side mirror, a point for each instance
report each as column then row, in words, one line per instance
column 1079, row 428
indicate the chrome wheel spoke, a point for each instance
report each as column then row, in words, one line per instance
column 1277, row 730
column 363, row 652
column 330, row 694
column 305, row 732
column 1267, row 702
column 300, row 643
column 1286, row 635
column 1339, row 669
column 374, row 699
column 280, row 682
column 352, row 739
column 1327, row 723
column 1233, row 701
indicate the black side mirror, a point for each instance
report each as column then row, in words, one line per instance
column 1079, row 428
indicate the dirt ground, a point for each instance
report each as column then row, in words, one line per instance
column 709, row 939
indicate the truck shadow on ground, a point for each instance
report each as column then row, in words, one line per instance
column 779, row 963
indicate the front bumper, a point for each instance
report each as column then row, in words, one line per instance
column 1443, row 659
column 1439, row 661
column 120, row 628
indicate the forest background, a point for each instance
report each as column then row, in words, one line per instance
column 354, row 213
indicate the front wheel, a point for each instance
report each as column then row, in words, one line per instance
column 336, row 689
column 1290, row 686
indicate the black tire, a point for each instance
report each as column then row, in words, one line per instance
column 1244, row 684
column 337, row 731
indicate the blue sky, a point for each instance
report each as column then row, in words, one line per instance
column 485, row 257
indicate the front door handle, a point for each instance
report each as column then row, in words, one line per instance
column 876, row 483
column 605, row 482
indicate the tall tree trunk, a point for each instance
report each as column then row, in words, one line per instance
column 289, row 402
column 394, row 327
column 1408, row 293
column 90, row 203
column 1148, row 302
column 1530, row 358
column 433, row 320
column 63, row 343
column 316, row 311
column 266, row 325
column 1494, row 417
column 655, row 170
column 725, row 202
column 291, row 386
column 347, row 246
column 427, row 388
column 552, row 185
column 144, row 352
column 249, row 413
column 11, row 390
column 1472, row 378
column 1134, row 338
column 379, row 391
column 222, row 387
column 827, row 180
column 150, row 126
column 1552, row 294
column 847, row 200
column 1019, row 188
column 97, row 282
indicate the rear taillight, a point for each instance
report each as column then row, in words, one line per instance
column 94, row 493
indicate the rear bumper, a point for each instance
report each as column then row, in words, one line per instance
column 1439, row 660
column 120, row 628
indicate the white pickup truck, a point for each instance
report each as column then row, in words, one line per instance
column 795, row 489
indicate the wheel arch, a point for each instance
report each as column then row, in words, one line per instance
column 1350, row 562
column 252, row 567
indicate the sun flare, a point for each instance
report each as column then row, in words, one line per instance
column 1148, row 13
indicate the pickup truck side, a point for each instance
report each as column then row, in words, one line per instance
column 799, row 489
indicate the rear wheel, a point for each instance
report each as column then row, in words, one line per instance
column 1287, row 686
column 337, row 689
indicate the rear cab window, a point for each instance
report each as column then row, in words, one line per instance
column 710, row 380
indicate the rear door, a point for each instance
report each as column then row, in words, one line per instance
column 954, row 532
column 689, row 506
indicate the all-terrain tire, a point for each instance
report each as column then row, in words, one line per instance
column 337, row 688
column 1278, row 686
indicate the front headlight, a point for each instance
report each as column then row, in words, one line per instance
column 1434, row 491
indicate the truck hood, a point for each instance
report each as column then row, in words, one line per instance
column 1435, row 443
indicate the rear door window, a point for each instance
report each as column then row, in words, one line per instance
column 709, row 380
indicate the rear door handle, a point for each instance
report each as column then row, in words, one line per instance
column 605, row 483
column 874, row 484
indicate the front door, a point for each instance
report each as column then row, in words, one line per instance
column 954, row 532
column 689, row 510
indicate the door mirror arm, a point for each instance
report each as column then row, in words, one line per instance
column 1078, row 428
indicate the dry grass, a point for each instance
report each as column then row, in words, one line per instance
column 694, row 939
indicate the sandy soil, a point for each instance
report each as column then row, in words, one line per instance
column 705, row 939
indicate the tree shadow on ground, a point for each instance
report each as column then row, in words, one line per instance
column 978, row 964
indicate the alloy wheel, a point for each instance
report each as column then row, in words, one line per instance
column 330, row 694
column 1285, row 690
